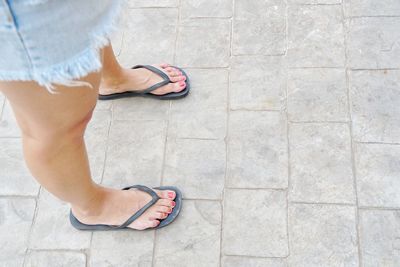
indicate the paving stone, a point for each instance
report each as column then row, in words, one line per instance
column 15, row 177
column 135, row 153
column 96, row 142
column 122, row 248
column 147, row 40
column 315, row 36
column 237, row 261
column 206, row 8
column 153, row 3
column 255, row 223
column 197, row 167
column 317, row 95
column 315, row 2
column 55, row 259
column 139, row 108
column 8, row 123
column 374, row 97
column 257, row 83
column 378, row 172
column 380, row 237
column 16, row 215
column 372, row 43
column 203, row 43
column 206, row 124
column 52, row 228
column 257, row 150
column 359, row 8
column 320, row 160
column 2, row 99
column 203, row 113
column 209, row 91
column 193, row 239
column 322, row 235
column 259, row 27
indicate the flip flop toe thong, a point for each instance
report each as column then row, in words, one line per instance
column 164, row 222
column 147, row 92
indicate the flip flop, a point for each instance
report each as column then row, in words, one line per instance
column 147, row 92
column 164, row 222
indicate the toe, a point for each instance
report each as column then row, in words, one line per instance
column 153, row 223
column 166, row 194
column 164, row 209
column 166, row 202
column 164, row 65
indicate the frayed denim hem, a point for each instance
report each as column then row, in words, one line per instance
column 69, row 72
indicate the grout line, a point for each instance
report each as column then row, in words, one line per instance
column 352, row 145
column 322, row 203
column 226, row 139
column 287, row 132
column 253, row 257
column 379, row 208
column 376, row 143
column 316, row 122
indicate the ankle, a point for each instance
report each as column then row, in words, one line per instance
column 93, row 206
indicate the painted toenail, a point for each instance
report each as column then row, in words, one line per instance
column 171, row 194
column 173, row 204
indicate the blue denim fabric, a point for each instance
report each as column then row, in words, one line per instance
column 54, row 41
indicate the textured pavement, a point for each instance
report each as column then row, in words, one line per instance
column 287, row 150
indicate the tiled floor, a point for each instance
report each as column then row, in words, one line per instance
column 287, row 150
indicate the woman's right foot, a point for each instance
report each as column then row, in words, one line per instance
column 115, row 206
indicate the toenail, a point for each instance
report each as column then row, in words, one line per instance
column 171, row 194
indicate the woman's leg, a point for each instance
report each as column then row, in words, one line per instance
column 117, row 79
column 53, row 129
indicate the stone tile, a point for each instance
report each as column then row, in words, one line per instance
column 360, row 8
column 246, row 212
column 206, row 8
column 2, row 100
column 135, row 153
column 315, row 36
column 374, row 97
column 208, row 91
column 55, row 259
column 104, row 105
column 237, row 261
column 378, row 172
column 147, row 40
column 139, row 109
column 257, row 150
column 16, row 215
column 315, row 2
column 320, row 160
column 153, row 3
column 322, row 235
column 203, row 43
column 52, row 228
column 206, row 124
column 196, row 166
column 372, row 43
column 317, row 95
column 259, row 27
column 202, row 114
column 122, row 248
column 8, row 123
column 193, row 239
column 15, row 177
column 96, row 142
column 380, row 237
column 257, row 83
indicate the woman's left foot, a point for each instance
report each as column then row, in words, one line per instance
column 142, row 78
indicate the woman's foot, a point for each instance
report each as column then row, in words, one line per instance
column 114, row 207
column 142, row 78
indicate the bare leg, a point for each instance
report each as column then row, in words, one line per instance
column 117, row 79
column 53, row 143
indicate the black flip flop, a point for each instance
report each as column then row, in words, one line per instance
column 164, row 222
column 147, row 92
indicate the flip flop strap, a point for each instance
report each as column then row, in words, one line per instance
column 154, row 199
column 165, row 77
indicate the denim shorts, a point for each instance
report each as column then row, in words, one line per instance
column 54, row 41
